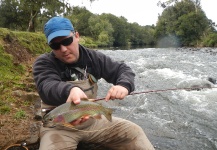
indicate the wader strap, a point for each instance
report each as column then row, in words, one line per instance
column 80, row 70
column 89, row 88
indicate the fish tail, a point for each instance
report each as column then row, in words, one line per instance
column 108, row 114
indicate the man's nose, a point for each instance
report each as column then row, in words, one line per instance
column 63, row 48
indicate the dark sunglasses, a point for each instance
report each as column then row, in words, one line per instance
column 64, row 42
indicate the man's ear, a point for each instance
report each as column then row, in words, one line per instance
column 77, row 34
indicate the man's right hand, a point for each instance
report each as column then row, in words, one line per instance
column 75, row 95
column 79, row 121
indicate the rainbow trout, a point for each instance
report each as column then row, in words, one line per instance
column 69, row 112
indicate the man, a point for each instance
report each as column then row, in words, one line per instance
column 70, row 73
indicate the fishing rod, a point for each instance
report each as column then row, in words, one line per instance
column 158, row 90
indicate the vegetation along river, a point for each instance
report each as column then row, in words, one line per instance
column 172, row 119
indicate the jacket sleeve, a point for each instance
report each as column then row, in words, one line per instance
column 117, row 73
column 52, row 90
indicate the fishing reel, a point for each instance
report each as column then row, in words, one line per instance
column 21, row 146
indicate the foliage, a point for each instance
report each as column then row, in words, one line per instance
column 182, row 23
column 23, row 14
column 109, row 30
column 101, row 30
column 12, row 16
column 88, row 42
column 191, row 31
column 79, row 18
column 185, row 20
column 121, row 32
column 141, row 35
column 170, row 2
column 210, row 40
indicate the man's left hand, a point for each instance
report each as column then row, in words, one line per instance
column 116, row 92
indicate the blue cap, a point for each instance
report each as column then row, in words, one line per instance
column 57, row 26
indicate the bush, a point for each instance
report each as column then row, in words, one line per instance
column 210, row 40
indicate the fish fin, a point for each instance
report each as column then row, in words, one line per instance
column 97, row 116
column 68, row 125
column 108, row 114
column 109, row 117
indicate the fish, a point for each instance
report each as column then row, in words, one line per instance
column 69, row 112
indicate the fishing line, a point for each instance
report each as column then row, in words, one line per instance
column 159, row 90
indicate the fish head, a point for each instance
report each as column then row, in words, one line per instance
column 47, row 120
column 59, row 119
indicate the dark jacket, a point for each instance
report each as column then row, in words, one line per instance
column 50, row 74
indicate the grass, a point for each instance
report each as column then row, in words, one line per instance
column 20, row 114
column 10, row 73
column 4, row 109
column 34, row 42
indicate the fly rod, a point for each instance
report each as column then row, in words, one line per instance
column 158, row 90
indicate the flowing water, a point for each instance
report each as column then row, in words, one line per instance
column 174, row 119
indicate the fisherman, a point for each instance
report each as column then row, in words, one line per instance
column 69, row 73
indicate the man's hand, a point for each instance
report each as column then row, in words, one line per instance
column 116, row 92
column 79, row 121
column 75, row 96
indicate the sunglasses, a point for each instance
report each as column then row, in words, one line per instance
column 64, row 42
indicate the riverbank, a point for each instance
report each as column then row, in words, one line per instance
column 19, row 117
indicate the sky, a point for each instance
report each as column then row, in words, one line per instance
column 144, row 12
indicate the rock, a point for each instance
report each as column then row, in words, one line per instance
column 195, row 84
column 37, row 110
column 212, row 80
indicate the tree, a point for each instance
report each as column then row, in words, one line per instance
column 25, row 12
column 12, row 16
column 184, row 21
column 79, row 17
column 170, row 2
column 49, row 7
column 30, row 10
column 121, row 32
column 190, row 27
column 101, row 30
column 141, row 35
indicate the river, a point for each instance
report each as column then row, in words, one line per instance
column 172, row 119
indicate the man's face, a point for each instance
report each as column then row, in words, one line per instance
column 66, row 50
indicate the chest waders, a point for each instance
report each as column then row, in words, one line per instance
column 89, row 87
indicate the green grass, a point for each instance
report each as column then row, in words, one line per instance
column 4, row 109
column 35, row 42
column 20, row 114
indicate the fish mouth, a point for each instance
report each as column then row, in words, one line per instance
column 48, row 125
